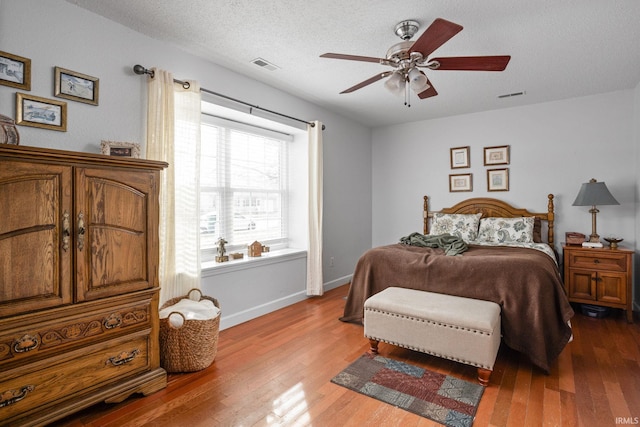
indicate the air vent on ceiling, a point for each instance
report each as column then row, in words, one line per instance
column 509, row 95
column 265, row 64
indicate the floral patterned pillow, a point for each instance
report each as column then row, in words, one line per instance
column 501, row 230
column 464, row 226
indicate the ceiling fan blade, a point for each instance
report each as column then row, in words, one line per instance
column 428, row 93
column 473, row 63
column 368, row 82
column 354, row 57
column 435, row 36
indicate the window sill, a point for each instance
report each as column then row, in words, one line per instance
column 213, row 268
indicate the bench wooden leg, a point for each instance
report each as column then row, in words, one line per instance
column 374, row 346
column 483, row 376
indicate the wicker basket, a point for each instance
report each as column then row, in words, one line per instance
column 191, row 347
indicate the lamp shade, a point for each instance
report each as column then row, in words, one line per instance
column 594, row 193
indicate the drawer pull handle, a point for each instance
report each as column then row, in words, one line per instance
column 596, row 261
column 26, row 343
column 81, row 231
column 66, row 231
column 10, row 397
column 113, row 321
column 123, row 358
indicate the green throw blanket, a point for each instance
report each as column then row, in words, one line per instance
column 452, row 245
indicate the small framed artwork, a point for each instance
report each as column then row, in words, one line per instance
column 41, row 112
column 498, row 180
column 8, row 132
column 120, row 149
column 460, row 182
column 15, row 71
column 496, row 155
column 460, row 157
column 76, row 86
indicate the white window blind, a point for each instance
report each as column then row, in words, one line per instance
column 243, row 186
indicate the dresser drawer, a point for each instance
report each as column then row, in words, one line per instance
column 600, row 261
column 37, row 337
column 52, row 381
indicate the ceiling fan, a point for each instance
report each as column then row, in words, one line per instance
column 407, row 57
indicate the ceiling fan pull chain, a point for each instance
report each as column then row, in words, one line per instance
column 407, row 101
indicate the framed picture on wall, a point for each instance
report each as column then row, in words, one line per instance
column 41, row 112
column 120, row 149
column 460, row 182
column 8, row 132
column 15, row 71
column 496, row 155
column 76, row 86
column 498, row 179
column 460, row 157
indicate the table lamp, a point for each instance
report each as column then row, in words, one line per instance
column 594, row 193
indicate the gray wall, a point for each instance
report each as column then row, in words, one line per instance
column 56, row 33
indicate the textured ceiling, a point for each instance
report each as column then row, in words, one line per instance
column 559, row 49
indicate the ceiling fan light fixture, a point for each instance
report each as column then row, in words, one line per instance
column 395, row 83
column 418, row 80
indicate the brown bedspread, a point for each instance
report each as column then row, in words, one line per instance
column 526, row 283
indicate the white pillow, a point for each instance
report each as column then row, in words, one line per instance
column 464, row 226
column 503, row 230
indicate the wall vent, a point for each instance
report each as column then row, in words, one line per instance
column 265, row 64
column 509, row 95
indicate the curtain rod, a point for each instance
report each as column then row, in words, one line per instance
column 139, row 69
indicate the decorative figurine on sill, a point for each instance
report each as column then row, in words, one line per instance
column 254, row 249
column 221, row 250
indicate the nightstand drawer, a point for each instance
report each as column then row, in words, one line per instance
column 51, row 381
column 598, row 261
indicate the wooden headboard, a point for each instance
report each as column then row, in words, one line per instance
column 493, row 208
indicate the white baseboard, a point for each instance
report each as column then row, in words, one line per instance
column 262, row 309
column 337, row 283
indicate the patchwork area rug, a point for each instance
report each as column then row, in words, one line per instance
column 441, row 398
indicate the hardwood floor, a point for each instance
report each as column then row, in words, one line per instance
column 276, row 371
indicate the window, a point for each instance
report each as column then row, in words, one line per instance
column 244, row 186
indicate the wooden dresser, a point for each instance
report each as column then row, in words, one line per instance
column 78, row 282
column 599, row 276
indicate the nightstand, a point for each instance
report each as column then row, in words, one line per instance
column 599, row 276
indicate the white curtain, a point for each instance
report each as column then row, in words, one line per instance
column 314, row 253
column 173, row 135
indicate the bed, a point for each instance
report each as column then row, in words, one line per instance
column 518, row 271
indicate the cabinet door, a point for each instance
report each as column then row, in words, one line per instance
column 612, row 287
column 35, row 250
column 116, row 230
column 582, row 284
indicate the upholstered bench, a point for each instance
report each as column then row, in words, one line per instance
column 461, row 329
